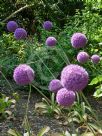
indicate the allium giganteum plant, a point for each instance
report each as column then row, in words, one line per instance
column 73, row 79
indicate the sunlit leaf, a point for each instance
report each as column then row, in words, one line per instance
column 13, row 101
column 13, row 133
column 88, row 134
column 8, row 112
column 98, row 92
column 43, row 131
column 56, row 134
column 98, row 129
column 40, row 105
column 67, row 133
column 96, row 80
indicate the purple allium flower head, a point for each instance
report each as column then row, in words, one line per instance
column 65, row 97
column 95, row 59
column 20, row 33
column 82, row 57
column 78, row 40
column 47, row 25
column 12, row 26
column 23, row 74
column 55, row 85
column 51, row 41
column 74, row 77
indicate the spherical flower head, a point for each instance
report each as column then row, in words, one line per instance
column 55, row 85
column 20, row 33
column 82, row 57
column 47, row 25
column 51, row 41
column 95, row 59
column 78, row 40
column 12, row 26
column 23, row 74
column 65, row 97
column 74, row 77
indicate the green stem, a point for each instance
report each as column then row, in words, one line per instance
column 7, row 81
column 68, row 62
column 26, row 114
column 28, row 100
column 31, row 50
column 47, row 67
column 97, row 121
column 41, row 93
column 72, row 124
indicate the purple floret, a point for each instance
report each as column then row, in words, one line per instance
column 20, row 33
column 95, row 59
column 12, row 26
column 82, row 57
column 78, row 40
column 47, row 25
column 55, row 85
column 23, row 74
column 51, row 41
column 74, row 77
column 65, row 97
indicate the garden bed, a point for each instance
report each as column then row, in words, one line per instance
column 36, row 121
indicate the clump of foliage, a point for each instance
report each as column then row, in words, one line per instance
column 6, row 104
column 12, row 52
column 42, row 132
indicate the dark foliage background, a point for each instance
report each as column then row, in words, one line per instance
column 31, row 17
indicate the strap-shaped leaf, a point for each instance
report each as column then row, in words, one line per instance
column 43, row 131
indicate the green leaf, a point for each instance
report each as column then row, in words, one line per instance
column 43, row 131
column 40, row 105
column 98, row 129
column 67, row 133
column 13, row 133
column 88, row 134
column 96, row 80
column 98, row 92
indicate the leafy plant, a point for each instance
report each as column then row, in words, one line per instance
column 45, row 130
column 6, row 104
column 79, row 113
column 45, row 107
column 42, row 132
column 98, row 92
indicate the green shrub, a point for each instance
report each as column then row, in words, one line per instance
column 11, row 54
